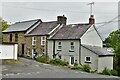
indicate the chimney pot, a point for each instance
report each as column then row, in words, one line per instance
column 91, row 19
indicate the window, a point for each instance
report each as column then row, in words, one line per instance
column 28, row 52
column 33, row 53
column 71, row 46
column 87, row 59
column 59, row 46
column 43, row 40
column 10, row 37
column 16, row 37
column 43, row 51
column 33, row 40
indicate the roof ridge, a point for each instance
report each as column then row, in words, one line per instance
column 27, row 20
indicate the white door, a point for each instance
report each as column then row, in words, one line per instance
column 72, row 60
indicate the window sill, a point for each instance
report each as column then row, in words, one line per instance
column 71, row 51
column 59, row 50
column 87, row 61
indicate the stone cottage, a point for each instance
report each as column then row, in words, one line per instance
column 15, row 33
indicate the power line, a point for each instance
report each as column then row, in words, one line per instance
column 49, row 9
column 105, row 23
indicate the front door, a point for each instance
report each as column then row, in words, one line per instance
column 72, row 60
column 22, row 49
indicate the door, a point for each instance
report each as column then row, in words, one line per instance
column 33, row 53
column 22, row 49
column 72, row 60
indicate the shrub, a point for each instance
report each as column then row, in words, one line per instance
column 106, row 72
column 86, row 68
column 58, row 62
column 109, row 72
column 114, row 72
column 42, row 59
column 75, row 64
column 76, row 67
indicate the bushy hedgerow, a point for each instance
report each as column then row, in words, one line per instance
column 42, row 59
column 109, row 72
column 86, row 68
column 58, row 62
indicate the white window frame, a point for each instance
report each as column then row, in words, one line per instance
column 28, row 52
column 33, row 53
column 87, row 60
column 72, row 46
column 43, row 40
column 59, row 46
column 34, row 40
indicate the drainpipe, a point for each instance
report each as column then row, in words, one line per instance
column 53, row 48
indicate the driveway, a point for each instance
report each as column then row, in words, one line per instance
column 32, row 69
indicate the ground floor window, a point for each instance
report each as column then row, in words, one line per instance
column 34, row 52
column 87, row 59
column 28, row 52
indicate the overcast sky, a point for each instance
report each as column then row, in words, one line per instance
column 76, row 12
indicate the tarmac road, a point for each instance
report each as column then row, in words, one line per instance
column 32, row 69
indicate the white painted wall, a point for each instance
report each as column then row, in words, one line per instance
column 65, row 53
column 8, row 51
column 105, row 62
column 94, row 58
column 50, row 48
column 91, row 38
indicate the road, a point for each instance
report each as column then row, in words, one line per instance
column 32, row 69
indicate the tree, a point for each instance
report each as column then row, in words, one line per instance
column 113, row 41
column 3, row 24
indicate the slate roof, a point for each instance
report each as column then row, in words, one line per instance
column 98, row 50
column 21, row 26
column 43, row 28
column 72, row 31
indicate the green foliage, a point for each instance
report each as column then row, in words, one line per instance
column 86, row 68
column 3, row 24
column 114, row 41
column 109, row 72
column 58, row 62
column 11, row 61
column 42, row 59
column 75, row 64
column 76, row 67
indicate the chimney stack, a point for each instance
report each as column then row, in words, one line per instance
column 91, row 19
column 61, row 19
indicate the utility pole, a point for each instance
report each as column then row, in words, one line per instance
column 91, row 7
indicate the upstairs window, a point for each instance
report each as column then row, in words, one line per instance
column 72, row 46
column 10, row 37
column 16, row 37
column 33, row 40
column 43, row 40
column 59, row 46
